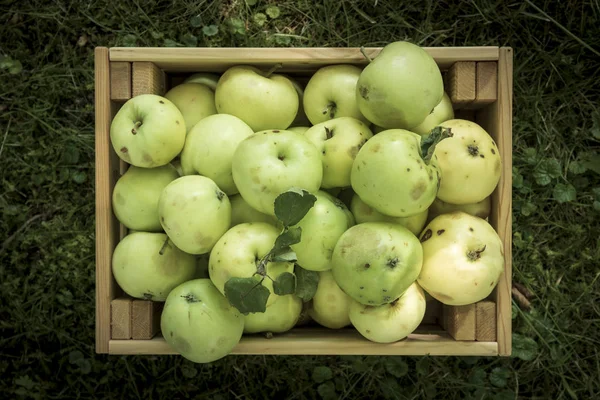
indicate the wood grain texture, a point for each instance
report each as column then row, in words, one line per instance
column 321, row 341
column 145, row 319
column 485, row 321
column 106, row 227
column 120, row 318
column 496, row 118
column 487, row 82
column 459, row 321
column 293, row 59
column 120, row 81
column 147, row 78
column 460, row 83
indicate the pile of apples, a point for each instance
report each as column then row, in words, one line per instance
column 255, row 204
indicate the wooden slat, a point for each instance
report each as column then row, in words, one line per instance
column 496, row 118
column 106, row 169
column 321, row 341
column 120, row 81
column 459, row 321
column 487, row 82
column 145, row 319
column 147, row 78
column 460, row 83
column 293, row 59
column 485, row 321
column 120, row 318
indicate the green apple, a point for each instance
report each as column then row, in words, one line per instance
column 209, row 149
column 393, row 321
column 195, row 101
column 136, row 193
column 298, row 129
column 148, row 131
column 301, row 118
column 390, row 175
column 271, row 162
column 463, row 259
column 322, row 226
column 279, row 317
column 375, row 262
column 364, row 213
column 205, row 78
column 346, row 195
column 469, row 161
column 331, row 93
column 400, row 87
column 480, row 209
column 194, row 212
column 338, row 140
column 176, row 163
column 260, row 99
column 242, row 212
column 147, row 266
column 441, row 113
column 238, row 252
column 199, row 323
column 330, row 305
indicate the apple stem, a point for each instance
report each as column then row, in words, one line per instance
column 429, row 142
column 273, row 69
column 475, row 255
column 164, row 247
column 364, row 53
column 136, row 126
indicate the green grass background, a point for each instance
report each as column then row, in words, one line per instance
column 47, row 196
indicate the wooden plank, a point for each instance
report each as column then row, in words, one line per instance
column 120, row 81
column 321, row 341
column 145, row 319
column 459, row 321
column 496, row 119
column 487, row 83
column 147, row 78
column 120, row 318
column 460, row 83
column 293, row 59
column 106, row 226
column 485, row 321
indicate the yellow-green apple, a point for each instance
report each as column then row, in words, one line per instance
column 339, row 141
column 400, row 86
column 364, row 213
column 390, row 175
column 271, row 162
column 330, row 305
column 393, row 321
column 242, row 212
column 261, row 99
column 322, row 226
column 194, row 212
column 279, row 317
column 148, row 131
column 480, row 209
column 136, row 193
column 239, row 251
column 463, row 258
column 469, row 162
column 331, row 93
column 205, row 78
column 298, row 129
column 375, row 262
column 301, row 118
column 209, row 149
column 198, row 322
column 147, row 266
column 195, row 101
column 442, row 112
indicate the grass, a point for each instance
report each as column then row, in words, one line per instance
column 47, row 196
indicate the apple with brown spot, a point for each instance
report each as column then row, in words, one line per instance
column 463, row 258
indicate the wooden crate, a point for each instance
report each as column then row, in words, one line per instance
column 479, row 82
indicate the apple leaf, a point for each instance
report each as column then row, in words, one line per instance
column 291, row 206
column 285, row 254
column 247, row 294
column 289, row 237
column 284, row 284
column 306, row 283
